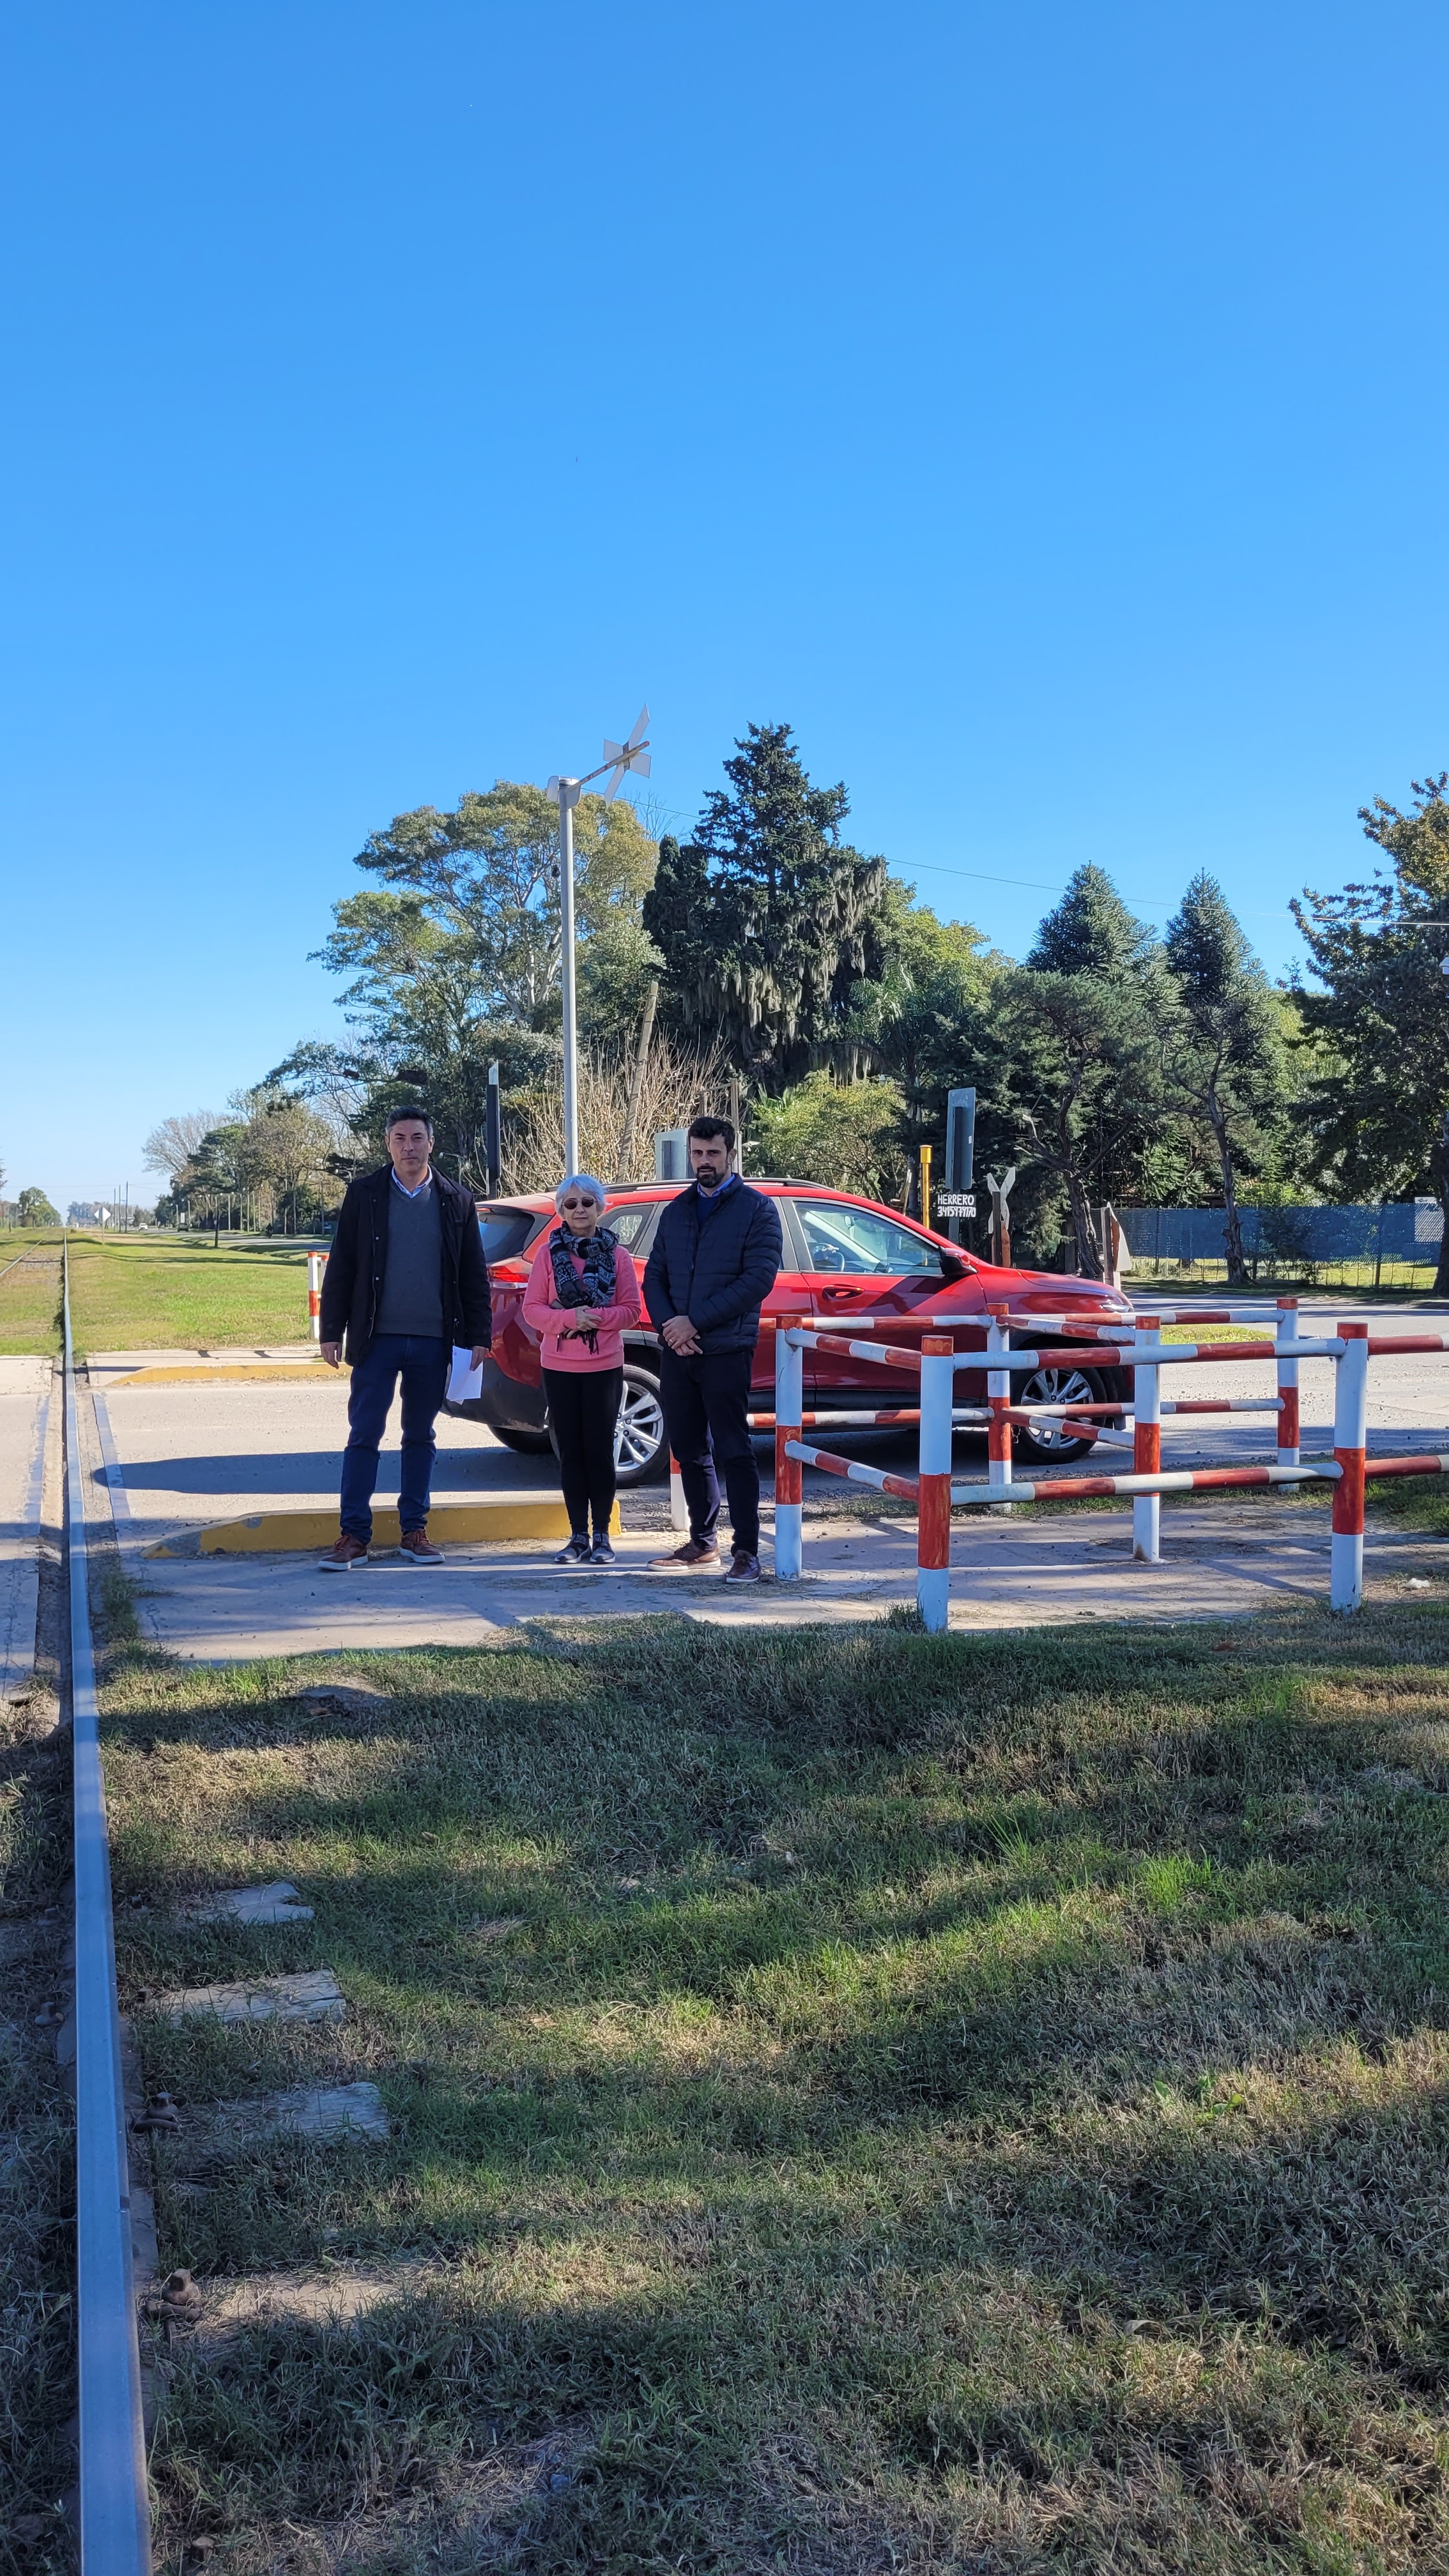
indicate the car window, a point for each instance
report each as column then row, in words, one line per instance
column 631, row 1224
column 857, row 1240
column 507, row 1230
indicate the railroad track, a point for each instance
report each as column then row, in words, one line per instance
column 114, row 2510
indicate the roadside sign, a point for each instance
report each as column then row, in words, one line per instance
column 955, row 1202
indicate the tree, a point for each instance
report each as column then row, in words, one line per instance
column 34, row 1208
column 472, row 906
column 1378, row 1104
column 1071, row 1053
column 173, row 1143
column 1226, row 1067
column 846, row 1134
column 768, row 924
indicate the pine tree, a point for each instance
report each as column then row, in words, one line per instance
column 767, row 922
column 1226, row 1067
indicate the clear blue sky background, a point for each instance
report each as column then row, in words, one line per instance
column 1040, row 407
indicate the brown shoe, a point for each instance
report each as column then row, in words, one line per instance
column 418, row 1545
column 742, row 1568
column 695, row 1551
column 343, row 1552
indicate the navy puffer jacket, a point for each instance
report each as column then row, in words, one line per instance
column 717, row 1269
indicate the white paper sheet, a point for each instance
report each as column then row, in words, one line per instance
column 465, row 1381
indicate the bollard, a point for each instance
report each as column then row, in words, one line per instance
column 998, row 1397
column 1147, row 1446
column 933, row 1526
column 1288, row 1386
column 678, row 1508
column 789, row 1474
column 316, row 1264
column 1350, row 1439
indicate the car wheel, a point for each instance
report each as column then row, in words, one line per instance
column 1045, row 1442
column 529, row 1444
column 641, row 1449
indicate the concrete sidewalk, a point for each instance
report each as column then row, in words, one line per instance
column 24, row 1396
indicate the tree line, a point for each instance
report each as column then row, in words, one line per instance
column 1111, row 1064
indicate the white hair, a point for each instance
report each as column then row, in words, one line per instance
column 581, row 1181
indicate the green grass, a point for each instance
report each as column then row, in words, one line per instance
column 941, row 2103
column 29, row 1292
column 151, row 1293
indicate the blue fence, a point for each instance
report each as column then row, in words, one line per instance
column 1286, row 1237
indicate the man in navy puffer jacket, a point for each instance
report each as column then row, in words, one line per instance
column 715, row 1259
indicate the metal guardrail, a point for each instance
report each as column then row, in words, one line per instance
column 115, row 2520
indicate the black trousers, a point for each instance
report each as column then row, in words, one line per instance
column 706, row 1398
column 583, row 1408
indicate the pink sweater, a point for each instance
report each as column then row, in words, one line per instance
column 551, row 1321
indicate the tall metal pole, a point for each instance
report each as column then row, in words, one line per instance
column 568, row 797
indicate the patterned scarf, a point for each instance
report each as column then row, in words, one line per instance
column 596, row 1288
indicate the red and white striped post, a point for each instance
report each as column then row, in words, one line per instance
column 1350, row 1442
column 316, row 1264
column 1147, row 1445
column 1288, row 1386
column 678, row 1507
column 998, row 1397
column 789, row 1474
column 933, row 1526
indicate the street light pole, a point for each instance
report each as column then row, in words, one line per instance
column 622, row 758
column 569, row 792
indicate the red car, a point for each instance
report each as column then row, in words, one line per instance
column 844, row 1259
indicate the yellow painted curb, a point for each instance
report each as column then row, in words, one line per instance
column 262, row 1533
column 276, row 1370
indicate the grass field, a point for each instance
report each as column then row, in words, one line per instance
column 860, row 2101
column 154, row 1292
column 29, row 1292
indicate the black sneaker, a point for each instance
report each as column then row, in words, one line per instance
column 577, row 1551
column 601, row 1553
column 743, row 1568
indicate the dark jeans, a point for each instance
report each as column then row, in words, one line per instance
column 422, row 1364
column 706, row 1399
column 583, row 1409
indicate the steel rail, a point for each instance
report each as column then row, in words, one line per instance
column 115, row 2520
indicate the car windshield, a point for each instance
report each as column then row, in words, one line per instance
column 856, row 1239
column 505, row 1231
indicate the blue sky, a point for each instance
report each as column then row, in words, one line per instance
column 1041, row 408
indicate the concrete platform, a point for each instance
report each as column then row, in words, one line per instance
column 24, row 1392
column 183, row 1453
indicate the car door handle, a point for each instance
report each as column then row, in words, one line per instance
column 839, row 1296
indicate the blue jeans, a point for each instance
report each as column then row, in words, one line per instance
column 422, row 1364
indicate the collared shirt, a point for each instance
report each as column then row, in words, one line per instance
column 709, row 1199
column 425, row 1183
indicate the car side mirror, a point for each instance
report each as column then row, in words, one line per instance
column 952, row 1265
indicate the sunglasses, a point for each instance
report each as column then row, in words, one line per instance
column 580, row 1203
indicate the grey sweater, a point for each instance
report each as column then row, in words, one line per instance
column 412, row 1284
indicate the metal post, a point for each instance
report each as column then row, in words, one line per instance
column 568, row 797
column 933, row 1527
column 998, row 1396
column 789, row 1476
column 493, row 1133
column 315, row 1262
column 1350, row 1439
column 1147, row 1446
column 1288, row 1386
column 678, row 1507
column 925, row 1152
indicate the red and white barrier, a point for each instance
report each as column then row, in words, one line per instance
column 933, row 1491
column 316, row 1264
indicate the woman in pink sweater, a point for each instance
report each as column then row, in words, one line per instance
column 582, row 1291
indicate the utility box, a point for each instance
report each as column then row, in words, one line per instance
column 671, row 1154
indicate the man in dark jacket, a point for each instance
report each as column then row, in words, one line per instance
column 715, row 1259
column 405, row 1280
